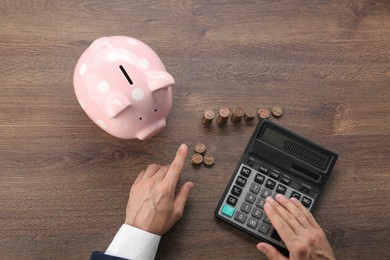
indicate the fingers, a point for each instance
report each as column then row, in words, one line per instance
column 181, row 198
column 290, row 218
column 160, row 174
column 294, row 210
column 286, row 216
column 306, row 213
column 282, row 227
column 151, row 170
column 139, row 177
column 176, row 166
column 270, row 252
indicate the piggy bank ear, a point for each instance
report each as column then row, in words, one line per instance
column 101, row 44
column 114, row 104
column 159, row 79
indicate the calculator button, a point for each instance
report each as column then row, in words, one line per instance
column 246, row 207
column 236, row 191
column 255, row 188
column 263, row 169
column 281, row 189
column 270, row 184
column 260, row 202
column 306, row 202
column 259, row 178
column 245, row 171
column 295, row 195
column 228, row 210
column 263, row 228
column 256, row 212
column 265, row 193
column 285, row 180
column 240, row 217
column 250, row 197
column 231, row 200
column 252, row 223
column 274, row 175
column 240, row 181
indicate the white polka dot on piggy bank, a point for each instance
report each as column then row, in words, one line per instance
column 123, row 86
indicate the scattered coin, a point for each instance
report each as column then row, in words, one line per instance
column 196, row 159
column 200, row 148
column 223, row 116
column 277, row 111
column 208, row 160
column 207, row 117
column 263, row 113
column 249, row 114
column 237, row 114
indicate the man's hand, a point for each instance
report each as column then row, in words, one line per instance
column 298, row 229
column 153, row 205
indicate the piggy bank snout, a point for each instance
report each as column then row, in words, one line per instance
column 151, row 130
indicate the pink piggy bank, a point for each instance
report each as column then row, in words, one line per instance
column 123, row 86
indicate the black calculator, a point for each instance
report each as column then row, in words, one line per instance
column 275, row 160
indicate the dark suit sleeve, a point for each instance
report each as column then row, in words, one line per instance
column 96, row 255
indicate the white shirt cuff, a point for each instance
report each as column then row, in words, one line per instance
column 134, row 243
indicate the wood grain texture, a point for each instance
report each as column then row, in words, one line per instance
column 64, row 182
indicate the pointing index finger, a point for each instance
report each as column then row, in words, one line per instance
column 177, row 165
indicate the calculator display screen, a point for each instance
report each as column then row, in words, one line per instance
column 295, row 147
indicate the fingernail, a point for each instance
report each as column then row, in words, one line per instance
column 267, row 205
column 183, row 147
column 294, row 200
column 190, row 185
column 270, row 200
column 280, row 197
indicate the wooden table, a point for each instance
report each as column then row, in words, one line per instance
column 64, row 182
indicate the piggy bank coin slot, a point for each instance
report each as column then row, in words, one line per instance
column 126, row 75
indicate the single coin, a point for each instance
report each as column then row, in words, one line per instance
column 200, row 148
column 196, row 159
column 277, row 111
column 263, row 113
column 223, row 116
column 249, row 114
column 208, row 160
column 207, row 118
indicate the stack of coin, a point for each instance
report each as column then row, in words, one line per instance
column 223, row 116
column 200, row 148
column 237, row 114
column 207, row 117
column 208, row 160
column 249, row 114
column 196, row 159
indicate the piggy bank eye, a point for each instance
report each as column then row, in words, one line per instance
column 140, row 118
column 155, row 110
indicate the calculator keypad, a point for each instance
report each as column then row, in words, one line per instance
column 245, row 202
